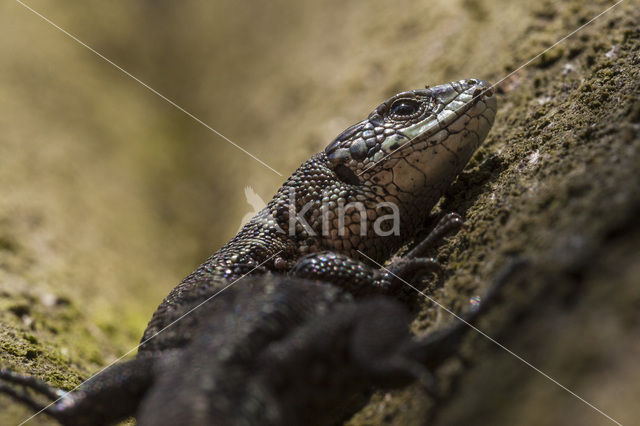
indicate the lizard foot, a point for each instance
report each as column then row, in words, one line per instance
column 448, row 225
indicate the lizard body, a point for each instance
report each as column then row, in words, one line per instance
column 247, row 356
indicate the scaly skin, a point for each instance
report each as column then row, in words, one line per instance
column 407, row 160
column 293, row 339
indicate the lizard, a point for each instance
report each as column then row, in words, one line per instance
column 312, row 306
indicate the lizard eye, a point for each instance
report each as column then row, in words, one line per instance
column 405, row 108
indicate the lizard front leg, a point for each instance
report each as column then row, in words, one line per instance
column 360, row 279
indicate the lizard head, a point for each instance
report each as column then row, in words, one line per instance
column 416, row 142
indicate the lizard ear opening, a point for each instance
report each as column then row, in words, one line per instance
column 346, row 175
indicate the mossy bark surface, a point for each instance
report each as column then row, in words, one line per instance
column 109, row 196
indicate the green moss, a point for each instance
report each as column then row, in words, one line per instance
column 550, row 57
